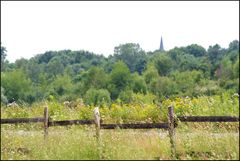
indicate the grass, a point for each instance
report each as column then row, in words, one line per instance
column 79, row 142
column 193, row 140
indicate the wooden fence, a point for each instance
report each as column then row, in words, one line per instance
column 170, row 125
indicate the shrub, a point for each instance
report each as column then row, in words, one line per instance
column 126, row 96
column 3, row 97
column 97, row 97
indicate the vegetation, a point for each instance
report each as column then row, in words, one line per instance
column 77, row 142
column 129, row 86
column 69, row 75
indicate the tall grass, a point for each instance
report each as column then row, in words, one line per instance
column 74, row 142
column 193, row 140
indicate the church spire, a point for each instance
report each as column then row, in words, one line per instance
column 161, row 45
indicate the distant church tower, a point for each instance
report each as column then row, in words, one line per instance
column 161, row 45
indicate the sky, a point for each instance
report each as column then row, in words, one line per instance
column 29, row 28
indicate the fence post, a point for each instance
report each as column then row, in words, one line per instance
column 45, row 115
column 171, row 131
column 97, row 125
column 97, row 121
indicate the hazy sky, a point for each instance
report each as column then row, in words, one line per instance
column 30, row 28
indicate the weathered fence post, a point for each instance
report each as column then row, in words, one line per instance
column 171, row 130
column 97, row 125
column 97, row 121
column 45, row 116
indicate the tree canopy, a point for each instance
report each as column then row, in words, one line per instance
column 69, row 75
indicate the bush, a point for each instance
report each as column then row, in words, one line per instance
column 148, row 98
column 97, row 97
column 3, row 97
column 139, row 84
column 126, row 96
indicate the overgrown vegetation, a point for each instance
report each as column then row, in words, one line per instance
column 77, row 143
column 69, row 75
column 140, row 109
column 129, row 86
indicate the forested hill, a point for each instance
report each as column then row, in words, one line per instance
column 129, row 72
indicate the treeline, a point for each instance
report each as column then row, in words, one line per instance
column 127, row 74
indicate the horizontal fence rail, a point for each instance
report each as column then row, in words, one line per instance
column 135, row 126
column 22, row 120
column 208, row 119
column 70, row 122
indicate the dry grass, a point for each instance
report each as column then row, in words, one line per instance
column 77, row 142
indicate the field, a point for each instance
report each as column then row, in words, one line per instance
column 79, row 143
column 193, row 140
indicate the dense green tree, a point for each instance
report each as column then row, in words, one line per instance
column 186, row 81
column 236, row 69
column 4, row 99
column 189, row 62
column 16, row 84
column 69, row 75
column 132, row 55
column 97, row 97
column 3, row 56
column 62, row 85
column 126, row 96
column 224, row 71
column 139, row 84
column 215, row 53
column 164, row 87
column 176, row 53
column 54, row 67
column 46, row 57
column 120, row 79
column 196, row 50
column 234, row 45
column 95, row 77
column 21, row 63
column 163, row 64
column 151, row 73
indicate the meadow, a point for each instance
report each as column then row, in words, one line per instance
column 193, row 140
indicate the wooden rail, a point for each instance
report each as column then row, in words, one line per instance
column 135, row 126
column 208, row 118
column 70, row 122
column 22, row 120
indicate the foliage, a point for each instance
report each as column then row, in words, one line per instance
column 139, row 84
column 120, row 79
column 194, row 140
column 16, row 84
column 132, row 55
column 3, row 57
column 126, row 96
column 68, row 75
column 3, row 97
column 163, row 64
column 195, row 50
column 130, row 86
column 97, row 97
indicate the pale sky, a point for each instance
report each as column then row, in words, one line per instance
column 29, row 28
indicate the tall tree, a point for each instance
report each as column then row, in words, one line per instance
column 54, row 67
column 120, row 79
column 163, row 64
column 3, row 56
column 132, row 55
column 16, row 84
column 196, row 50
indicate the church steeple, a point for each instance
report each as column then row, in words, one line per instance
column 161, row 45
